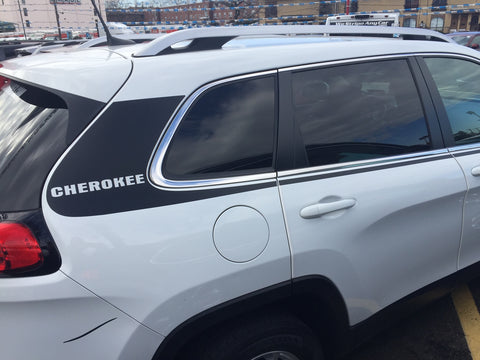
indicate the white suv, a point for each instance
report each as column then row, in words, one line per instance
column 234, row 193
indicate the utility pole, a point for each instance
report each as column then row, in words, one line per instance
column 58, row 20
column 21, row 18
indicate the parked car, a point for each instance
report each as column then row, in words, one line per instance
column 72, row 45
column 135, row 38
column 46, row 46
column 204, row 196
column 470, row 38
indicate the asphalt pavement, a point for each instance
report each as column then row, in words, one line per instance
column 432, row 333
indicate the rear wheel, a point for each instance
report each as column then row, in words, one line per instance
column 274, row 337
column 276, row 355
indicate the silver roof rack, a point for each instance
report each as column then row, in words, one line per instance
column 210, row 38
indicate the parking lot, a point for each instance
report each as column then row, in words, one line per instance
column 257, row 204
column 434, row 332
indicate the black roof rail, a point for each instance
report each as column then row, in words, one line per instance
column 7, row 48
column 211, row 38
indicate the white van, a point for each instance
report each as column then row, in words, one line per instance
column 364, row 19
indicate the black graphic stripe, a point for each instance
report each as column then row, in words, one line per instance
column 120, row 143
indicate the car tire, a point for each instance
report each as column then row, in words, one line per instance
column 274, row 337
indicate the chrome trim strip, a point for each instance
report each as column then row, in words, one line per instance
column 362, row 164
column 159, row 180
column 450, row 55
column 346, row 61
column 375, row 57
column 156, row 175
column 464, row 148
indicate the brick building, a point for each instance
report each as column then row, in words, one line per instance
column 32, row 16
column 133, row 15
column 202, row 13
column 441, row 15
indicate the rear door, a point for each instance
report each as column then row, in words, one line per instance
column 205, row 226
column 374, row 201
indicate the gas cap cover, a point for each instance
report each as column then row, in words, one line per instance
column 241, row 234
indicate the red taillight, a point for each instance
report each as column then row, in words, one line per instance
column 3, row 82
column 19, row 249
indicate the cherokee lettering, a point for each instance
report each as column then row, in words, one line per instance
column 118, row 182
column 82, row 188
column 130, row 180
column 97, row 185
column 106, row 184
column 94, row 186
column 70, row 190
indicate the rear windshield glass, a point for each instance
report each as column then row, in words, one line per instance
column 24, row 110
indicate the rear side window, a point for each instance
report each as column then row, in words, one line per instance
column 24, row 110
column 358, row 112
column 228, row 131
column 36, row 126
column 458, row 82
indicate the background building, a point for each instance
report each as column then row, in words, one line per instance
column 441, row 15
column 212, row 13
column 78, row 16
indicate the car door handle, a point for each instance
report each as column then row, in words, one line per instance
column 319, row 209
column 476, row 171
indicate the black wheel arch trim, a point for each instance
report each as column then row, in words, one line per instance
column 287, row 295
column 330, row 320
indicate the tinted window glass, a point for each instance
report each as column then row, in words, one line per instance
column 461, row 39
column 458, row 82
column 359, row 111
column 24, row 110
column 228, row 131
column 476, row 40
column 36, row 127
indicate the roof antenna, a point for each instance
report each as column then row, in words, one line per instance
column 111, row 40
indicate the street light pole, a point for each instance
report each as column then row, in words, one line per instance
column 21, row 18
column 58, row 20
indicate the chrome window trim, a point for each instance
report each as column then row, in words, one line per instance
column 377, row 57
column 339, row 167
column 347, row 61
column 365, row 164
column 156, row 175
column 450, row 55
column 159, row 180
column 464, row 148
